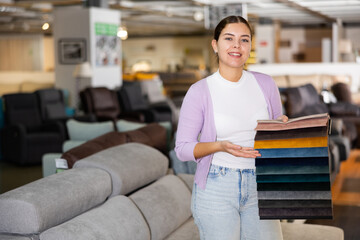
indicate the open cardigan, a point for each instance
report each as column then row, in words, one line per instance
column 196, row 121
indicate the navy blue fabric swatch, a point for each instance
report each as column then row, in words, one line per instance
column 293, row 152
column 300, row 161
column 315, row 178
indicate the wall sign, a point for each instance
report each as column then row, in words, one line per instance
column 107, row 44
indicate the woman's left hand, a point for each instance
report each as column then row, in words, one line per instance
column 283, row 118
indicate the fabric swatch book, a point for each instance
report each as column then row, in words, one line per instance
column 292, row 174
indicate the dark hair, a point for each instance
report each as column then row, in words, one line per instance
column 230, row 19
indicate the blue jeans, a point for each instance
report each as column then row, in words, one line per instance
column 228, row 207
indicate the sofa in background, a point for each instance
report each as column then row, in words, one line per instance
column 25, row 136
column 152, row 135
column 121, row 192
column 82, row 132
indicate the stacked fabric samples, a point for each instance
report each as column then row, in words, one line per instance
column 292, row 174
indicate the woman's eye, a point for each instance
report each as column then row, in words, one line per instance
column 228, row 38
column 245, row 40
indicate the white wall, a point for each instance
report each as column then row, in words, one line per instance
column 79, row 22
column 164, row 52
column 109, row 76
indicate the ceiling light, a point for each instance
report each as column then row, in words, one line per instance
column 122, row 33
column 45, row 26
column 198, row 16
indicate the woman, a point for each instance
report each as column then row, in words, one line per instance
column 216, row 129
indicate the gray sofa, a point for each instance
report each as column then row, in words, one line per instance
column 123, row 192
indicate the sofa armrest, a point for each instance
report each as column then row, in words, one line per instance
column 295, row 231
column 344, row 109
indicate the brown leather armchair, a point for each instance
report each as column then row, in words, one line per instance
column 104, row 104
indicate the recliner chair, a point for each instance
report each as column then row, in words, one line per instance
column 131, row 99
column 52, row 104
column 25, row 137
column 53, row 107
column 103, row 103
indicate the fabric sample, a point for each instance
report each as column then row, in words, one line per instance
column 295, row 213
column 288, row 178
column 297, row 186
column 312, row 161
column 281, row 170
column 294, row 152
column 292, row 143
column 288, row 195
column 294, row 203
column 317, row 122
column 292, row 133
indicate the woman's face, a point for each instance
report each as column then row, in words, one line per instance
column 233, row 46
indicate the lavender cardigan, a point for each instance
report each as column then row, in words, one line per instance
column 196, row 121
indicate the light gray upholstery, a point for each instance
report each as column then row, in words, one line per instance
column 165, row 205
column 130, row 165
column 186, row 231
column 49, row 201
column 311, row 232
column 116, row 219
column 13, row 237
column 188, row 180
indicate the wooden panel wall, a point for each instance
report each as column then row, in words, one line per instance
column 21, row 53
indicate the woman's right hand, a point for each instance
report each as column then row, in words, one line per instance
column 239, row 151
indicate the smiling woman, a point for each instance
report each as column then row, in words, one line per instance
column 225, row 108
column 232, row 43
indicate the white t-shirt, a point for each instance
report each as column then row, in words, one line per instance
column 237, row 107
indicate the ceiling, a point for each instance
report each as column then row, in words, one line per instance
column 157, row 18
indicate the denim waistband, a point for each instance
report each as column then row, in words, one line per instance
column 226, row 169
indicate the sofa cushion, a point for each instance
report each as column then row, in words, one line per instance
column 186, row 231
column 70, row 144
column 152, row 134
column 295, row 231
column 165, row 205
column 156, row 136
column 50, row 201
column 188, row 179
column 84, row 131
column 124, row 125
column 14, row 237
column 93, row 146
column 118, row 218
column 130, row 165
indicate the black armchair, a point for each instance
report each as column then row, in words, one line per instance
column 52, row 104
column 131, row 99
column 53, row 108
column 25, row 137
